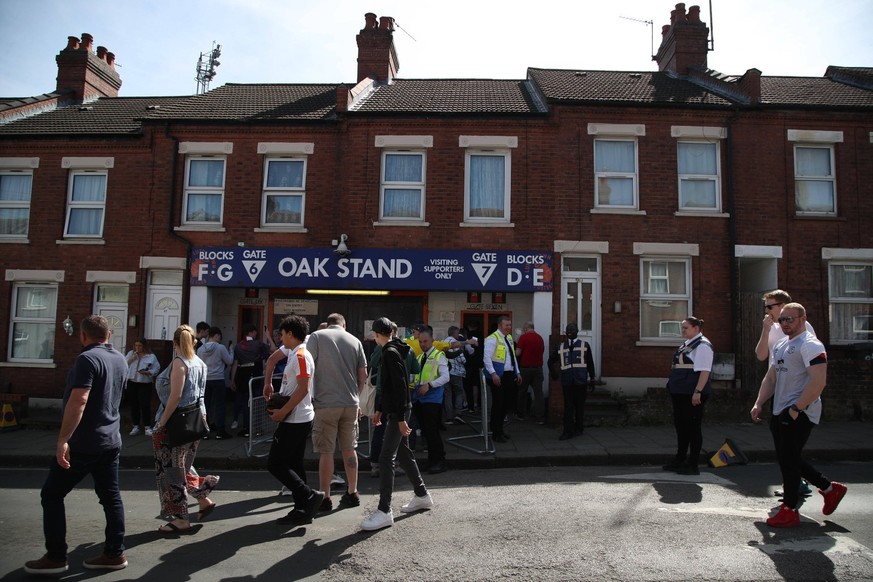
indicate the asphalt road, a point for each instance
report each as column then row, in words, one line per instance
column 567, row 523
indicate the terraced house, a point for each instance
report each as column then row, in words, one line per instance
column 619, row 200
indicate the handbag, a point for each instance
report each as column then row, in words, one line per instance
column 186, row 425
column 367, row 399
column 277, row 401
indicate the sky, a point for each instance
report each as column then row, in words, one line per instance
column 157, row 42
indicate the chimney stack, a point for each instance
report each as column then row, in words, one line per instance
column 86, row 74
column 377, row 57
column 684, row 42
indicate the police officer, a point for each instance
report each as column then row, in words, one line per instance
column 577, row 376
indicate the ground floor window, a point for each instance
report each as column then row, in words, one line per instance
column 665, row 296
column 851, row 302
column 34, row 317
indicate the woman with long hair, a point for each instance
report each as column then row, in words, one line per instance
column 173, row 465
column 142, row 367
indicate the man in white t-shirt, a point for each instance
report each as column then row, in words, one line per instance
column 771, row 331
column 286, row 460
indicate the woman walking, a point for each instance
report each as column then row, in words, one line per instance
column 173, row 465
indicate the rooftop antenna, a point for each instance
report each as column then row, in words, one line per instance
column 651, row 26
column 711, row 28
column 206, row 65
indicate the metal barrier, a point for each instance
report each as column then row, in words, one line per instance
column 261, row 426
column 488, row 443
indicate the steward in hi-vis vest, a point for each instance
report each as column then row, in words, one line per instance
column 573, row 363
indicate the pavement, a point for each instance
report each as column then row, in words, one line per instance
column 529, row 445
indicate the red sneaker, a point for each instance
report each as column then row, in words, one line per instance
column 833, row 497
column 786, row 517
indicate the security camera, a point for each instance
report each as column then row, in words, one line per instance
column 342, row 249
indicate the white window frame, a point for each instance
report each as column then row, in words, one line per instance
column 847, row 299
column 715, row 178
column 287, row 191
column 86, row 205
column 830, row 179
column 507, row 197
column 204, row 190
column 46, row 318
column 17, row 204
column 386, row 184
column 633, row 176
column 658, row 299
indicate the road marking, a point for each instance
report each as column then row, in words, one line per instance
column 829, row 543
column 707, row 478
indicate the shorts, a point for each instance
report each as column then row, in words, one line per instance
column 332, row 423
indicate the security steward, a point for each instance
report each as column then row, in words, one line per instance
column 427, row 399
column 573, row 362
column 502, row 373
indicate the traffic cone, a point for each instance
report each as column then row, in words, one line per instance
column 8, row 418
column 728, row 454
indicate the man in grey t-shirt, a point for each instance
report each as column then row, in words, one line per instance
column 340, row 374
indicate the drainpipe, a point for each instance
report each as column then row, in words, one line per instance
column 171, row 207
column 732, row 228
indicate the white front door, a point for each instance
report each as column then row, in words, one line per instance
column 117, row 318
column 581, row 301
column 163, row 312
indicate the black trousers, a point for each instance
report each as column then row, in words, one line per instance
column 285, row 462
column 688, row 420
column 139, row 394
column 429, row 415
column 575, row 395
column 396, row 446
column 790, row 437
column 499, row 396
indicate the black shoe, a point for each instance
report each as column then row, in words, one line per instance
column 437, row 468
column 499, row 438
column 313, row 504
column 350, row 499
column 326, row 503
column 295, row 517
column 565, row 436
column 688, row 469
column 223, row 435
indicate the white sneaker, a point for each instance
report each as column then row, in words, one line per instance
column 149, row 431
column 418, row 503
column 134, row 431
column 234, row 425
column 285, row 492
column 377, row 520
column 337, row 480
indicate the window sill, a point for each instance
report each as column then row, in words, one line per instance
column 27, row 365
column 282, row 229
column 664, row 343
column 487, row 224
column 627, row 211
column 704, row 214
column 205, row 228
column 14, row 241
column 827, row 217
column 82, row 241
column 401, row 223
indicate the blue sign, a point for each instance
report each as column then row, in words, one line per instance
column 388, row 269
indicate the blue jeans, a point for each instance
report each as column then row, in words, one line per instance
column 103, row 468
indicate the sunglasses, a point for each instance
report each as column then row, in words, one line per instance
column 770, row 306
column 786, row 319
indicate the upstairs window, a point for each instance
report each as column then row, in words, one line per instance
column 15, row 190
column 402, row 195
column 615, row 169
column 487, row 179
column 698, row 166
column 86, row 204
column 204, row 191
column 284, row 192
column 815, row 184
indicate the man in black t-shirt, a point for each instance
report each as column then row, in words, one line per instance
column 88, row 444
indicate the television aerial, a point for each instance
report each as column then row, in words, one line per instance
column 206, row 66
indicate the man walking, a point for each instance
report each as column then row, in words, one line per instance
column 795, row 380
column 342, row 371
column 89, row 443
column 529, row 349
column 502, row 373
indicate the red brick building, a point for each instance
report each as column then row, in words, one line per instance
column 623, row 201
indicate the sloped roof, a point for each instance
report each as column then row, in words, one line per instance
column 8, row 103
column 107, row 115
column 813, row 91
column 451, row 96
column 621, row 87
column 257, row 102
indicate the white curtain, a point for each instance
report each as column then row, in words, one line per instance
column 285, row 174
column 615, row 157
column 204, row 208
column 813, row 195
column 487, row 186
column 206, row 173
column 86, row 204
column 400, row 203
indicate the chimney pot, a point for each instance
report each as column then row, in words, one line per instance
column 678, row 14
column 72, row 43
column 386, row 23
column 101, row 53
column 694, row 14
column 665, row 30
column 87, row 41
column 370, row 20
column 110, row 59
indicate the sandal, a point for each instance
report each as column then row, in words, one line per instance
column 173, row 529
column 204, row 513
